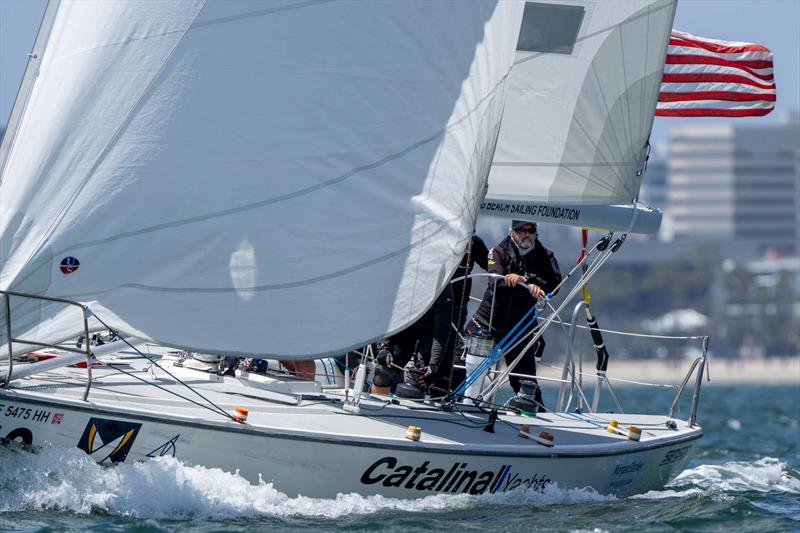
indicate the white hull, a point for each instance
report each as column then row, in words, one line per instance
column 316, row 449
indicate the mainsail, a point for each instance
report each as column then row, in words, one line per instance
column 288, row 178
column 579, row 112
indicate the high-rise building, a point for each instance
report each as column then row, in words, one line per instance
column 738, row 184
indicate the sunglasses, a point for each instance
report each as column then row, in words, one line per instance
column 529, row 231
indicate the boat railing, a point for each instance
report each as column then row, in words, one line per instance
column 571, row 381
column 10, row 340
column 603, row 379
column 91, row 354
column 701, row 364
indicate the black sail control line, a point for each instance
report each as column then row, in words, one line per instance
column 597, row 340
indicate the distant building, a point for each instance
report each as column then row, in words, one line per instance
column 737, row 184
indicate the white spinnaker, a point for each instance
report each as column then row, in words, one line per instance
column 576, row 122
column 284, row 178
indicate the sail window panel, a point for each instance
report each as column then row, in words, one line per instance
column 549, row 28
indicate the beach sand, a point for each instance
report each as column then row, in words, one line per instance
column 773, row 370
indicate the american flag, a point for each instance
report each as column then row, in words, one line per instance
column 710, row 78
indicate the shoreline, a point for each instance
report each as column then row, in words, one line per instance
column 772, row 370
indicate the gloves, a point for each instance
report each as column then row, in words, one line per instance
column 384, row 356
column 427, row 374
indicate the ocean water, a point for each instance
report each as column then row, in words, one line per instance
column 745, row 477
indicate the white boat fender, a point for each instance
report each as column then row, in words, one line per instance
column 634, row 433
column 240, row 415
column 413, row 433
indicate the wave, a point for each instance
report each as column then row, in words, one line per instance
column 165, row 488
column 766, row 475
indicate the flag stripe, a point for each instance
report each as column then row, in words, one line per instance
column 712, row 77
column 687, row 59
column 706, row 77
column 715, row 104
column 718, row 48
column 708, row 69
column 690, row 50
column 715, row 95
column 709, row 87
column 700, row 112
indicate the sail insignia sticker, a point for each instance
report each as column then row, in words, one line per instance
column 69, row 265
column 109, row 439
column 168, row 448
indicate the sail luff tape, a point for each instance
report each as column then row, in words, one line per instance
column 413, row 433
column 240, row 414
column 634, row 433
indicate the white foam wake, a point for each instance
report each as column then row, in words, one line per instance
column 766, row 475
column 166, row 488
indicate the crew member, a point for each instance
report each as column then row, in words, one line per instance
column 427, row 337
column 302, row 369
column 520, row 257
column 476, row 254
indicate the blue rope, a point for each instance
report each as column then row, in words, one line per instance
column 494, row 355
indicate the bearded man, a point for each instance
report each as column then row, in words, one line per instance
column 520, row 257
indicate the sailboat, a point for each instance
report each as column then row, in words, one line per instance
column 295, row 180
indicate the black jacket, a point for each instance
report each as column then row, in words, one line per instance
column 478, row 254
column 511, row 303
column 429, row 334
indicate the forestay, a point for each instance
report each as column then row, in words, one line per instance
column 579, row 112
column 283, row 178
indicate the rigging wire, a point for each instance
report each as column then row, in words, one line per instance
column 513, row 335
column 598, row 262
column 153, row 362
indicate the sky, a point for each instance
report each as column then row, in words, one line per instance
column 772, row 23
